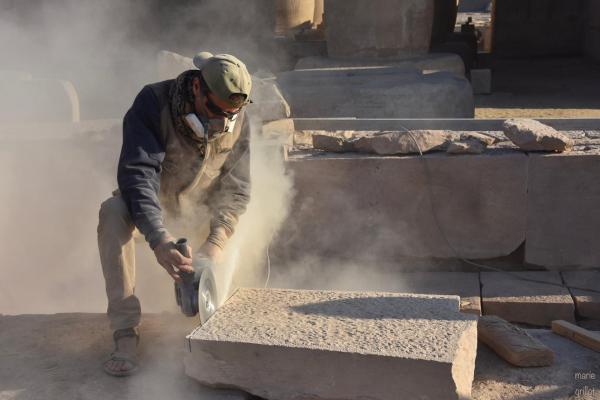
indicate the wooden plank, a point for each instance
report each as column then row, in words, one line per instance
column 577, row 334
column 512, row 343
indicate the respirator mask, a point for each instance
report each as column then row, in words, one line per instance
column 210, row 128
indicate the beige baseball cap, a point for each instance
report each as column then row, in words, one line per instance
column 225, row 76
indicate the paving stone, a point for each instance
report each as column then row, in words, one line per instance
column 562, row 209
column 587, row 303
column 289, row 344
column 527, row 302
column 462, row 284
column 375, row 207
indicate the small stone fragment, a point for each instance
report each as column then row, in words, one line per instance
column 483, row 139
column 334, row 144
column 466, row 147
column 399, row 142
column 512, row 343
column 531, row 135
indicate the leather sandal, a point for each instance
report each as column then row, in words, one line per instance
column 117, row 355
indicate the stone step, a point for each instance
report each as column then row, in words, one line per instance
column 290, row 344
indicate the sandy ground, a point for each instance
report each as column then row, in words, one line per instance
column 54, row 357
column 550, row 88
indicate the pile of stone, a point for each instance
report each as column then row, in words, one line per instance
column 526, row 134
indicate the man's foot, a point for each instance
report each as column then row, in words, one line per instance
column 123, row 361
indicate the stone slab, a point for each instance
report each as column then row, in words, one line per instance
column 562, row 209
column 380, row 28
column 289, row 344
column 587, row 303
column 512, row 343
column 462, row 284
column 433, row 62
column 377, row 208
column 527, row 302
column 387, row 92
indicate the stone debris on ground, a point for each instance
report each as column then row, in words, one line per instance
column 399, row 142
column 517, row 300
column 282, row 344
column 531, row 135
column 468, row 146
column 512, row 343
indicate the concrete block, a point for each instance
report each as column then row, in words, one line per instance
column 587, row 303
column 26, row 99
column 354, row 206
column 562, row 209
column 389, row 92
column 532, row 303
column 481, row 80
column 433, row 62
column 290, row 345
column 379, row 28
column 462, row 284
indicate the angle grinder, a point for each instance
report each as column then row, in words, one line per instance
column 197, row 291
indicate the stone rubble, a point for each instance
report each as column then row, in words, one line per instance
column 398, row 142
column 531, row 135
column 469, row 146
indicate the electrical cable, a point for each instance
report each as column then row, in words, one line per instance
column 453, row 249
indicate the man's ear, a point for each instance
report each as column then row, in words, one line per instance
column 196, row 86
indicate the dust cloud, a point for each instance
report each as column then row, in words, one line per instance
column 56, row 175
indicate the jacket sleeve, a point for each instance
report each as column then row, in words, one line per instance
column 138, row 173
column 232, row 194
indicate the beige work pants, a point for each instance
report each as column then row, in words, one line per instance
column 116, row 234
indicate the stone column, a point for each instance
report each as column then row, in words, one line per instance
column 293, row 13
column 378, row 28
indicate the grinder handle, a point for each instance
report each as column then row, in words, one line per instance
column 182, row 246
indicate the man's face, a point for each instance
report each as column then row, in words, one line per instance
column 209, row 105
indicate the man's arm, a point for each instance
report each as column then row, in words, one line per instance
column 140, row 165
column 230, row 199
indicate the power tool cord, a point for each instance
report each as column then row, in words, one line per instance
column 443, row 234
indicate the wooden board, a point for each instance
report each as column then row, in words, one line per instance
column 577, row 334
column 512, row 343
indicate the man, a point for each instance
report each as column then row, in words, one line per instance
column 185, row 157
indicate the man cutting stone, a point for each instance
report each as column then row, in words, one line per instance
column 185, row 161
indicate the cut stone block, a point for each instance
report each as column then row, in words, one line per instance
column 290, row 345
column 381, row 28
column 527, row 302
column 26, row 99
column 563, row 213
column 434, row 62
column 379, row 207
column 587, row 303
column 512, row 343
column 462, row 284
column 388, row 92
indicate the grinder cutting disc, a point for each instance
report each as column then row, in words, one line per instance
column 208, row 299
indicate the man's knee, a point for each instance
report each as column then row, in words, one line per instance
column 113, row 213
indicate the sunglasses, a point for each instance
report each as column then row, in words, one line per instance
column 215, row 109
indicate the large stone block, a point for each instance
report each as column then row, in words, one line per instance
column 528, row 302
column 562, row 210
column 387, row 92
column 433, row 62
column 291, row 345
column 587, row 303
column 27, row 99
column 378, row 28
column 361, row 207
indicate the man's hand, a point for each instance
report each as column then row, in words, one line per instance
column 210, row 250
column 172, row 260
